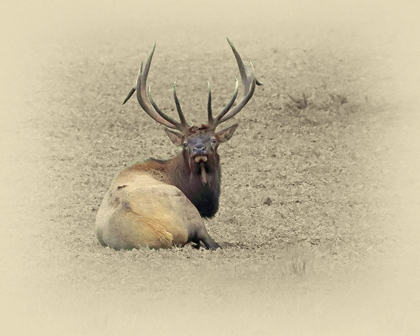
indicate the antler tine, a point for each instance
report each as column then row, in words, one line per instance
column 135, row 85
column 209, row 109
column 229, row 105
column 179, row 110
column 249, row 81
column 159, row 111
column 245, row 73
column 242, row 68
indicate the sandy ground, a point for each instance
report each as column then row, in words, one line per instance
column 336, row 249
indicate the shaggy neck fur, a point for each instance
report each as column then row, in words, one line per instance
column 186, row 175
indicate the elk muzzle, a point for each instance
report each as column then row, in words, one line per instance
column 200, row 150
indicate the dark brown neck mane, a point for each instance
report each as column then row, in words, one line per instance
column 187, row 177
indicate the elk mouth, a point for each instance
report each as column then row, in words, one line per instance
column 201, row 161
column 200, row 158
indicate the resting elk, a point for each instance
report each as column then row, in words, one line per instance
column 160, row 204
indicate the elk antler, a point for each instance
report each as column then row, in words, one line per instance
column 145, row 99
column 249, row 81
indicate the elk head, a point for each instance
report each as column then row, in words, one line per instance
column 199, row 143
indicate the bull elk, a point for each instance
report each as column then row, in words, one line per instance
column 159, row 204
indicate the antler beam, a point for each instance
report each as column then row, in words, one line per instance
column 249, row 81
column 145, row 99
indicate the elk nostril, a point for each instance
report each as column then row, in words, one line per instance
column 199, row 149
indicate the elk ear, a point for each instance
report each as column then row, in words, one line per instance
column 175, row 137
column 226, row 134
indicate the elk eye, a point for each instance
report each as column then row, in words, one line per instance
column 213, row 141
column 185, row 144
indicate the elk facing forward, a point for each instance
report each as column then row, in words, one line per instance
column 157, row 203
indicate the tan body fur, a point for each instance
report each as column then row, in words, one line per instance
column 140, row 209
